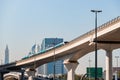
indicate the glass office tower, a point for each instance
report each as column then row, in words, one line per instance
column 47, row 69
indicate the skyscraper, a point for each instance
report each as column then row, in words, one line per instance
column 34, row 50
column 6, row 55
column 47, row 69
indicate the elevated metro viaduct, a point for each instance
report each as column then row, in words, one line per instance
column 108, row 39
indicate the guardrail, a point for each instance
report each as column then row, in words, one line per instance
column 103, row 26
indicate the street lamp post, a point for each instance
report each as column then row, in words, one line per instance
column 54, row 65
column 89, row 67
column 1, row 61
column 116, row 67
column 117, row 60
column 89, row 62
column 54, row 59
column 96, row 11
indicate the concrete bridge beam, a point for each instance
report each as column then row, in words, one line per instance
column 71, row 67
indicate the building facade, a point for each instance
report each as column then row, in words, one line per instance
column 48, row 68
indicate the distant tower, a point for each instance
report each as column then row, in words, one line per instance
column 35, row 48
column 6, row 55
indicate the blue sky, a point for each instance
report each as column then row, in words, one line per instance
column 26, row 22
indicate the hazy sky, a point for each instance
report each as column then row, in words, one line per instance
column 26, row 22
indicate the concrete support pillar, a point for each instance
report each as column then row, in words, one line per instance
column 22, row 75
column 30, row 73
column 108, row 64
column 71, row 66
column 1, row 76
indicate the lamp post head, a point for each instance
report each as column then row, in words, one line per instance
column 96, row 11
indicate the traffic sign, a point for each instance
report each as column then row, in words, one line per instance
column 91, row 72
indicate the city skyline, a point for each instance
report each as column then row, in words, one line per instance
column 22, row 23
